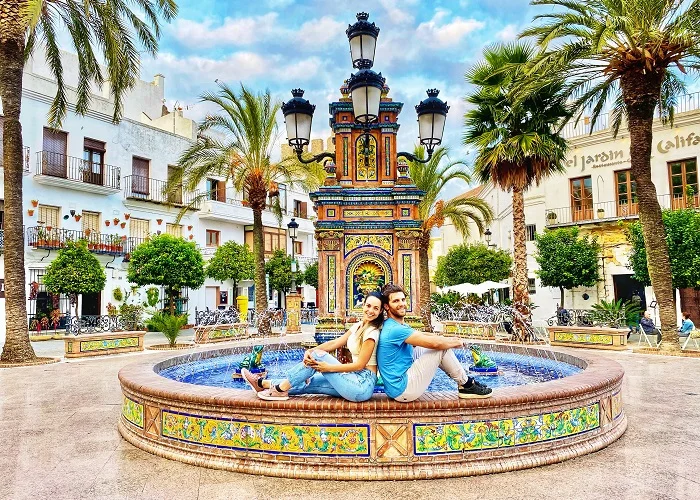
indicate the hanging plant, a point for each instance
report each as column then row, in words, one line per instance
column 35, row 203
column 49, row 228
column 158, row 232
column 117, row 294
column 33, row 290
column 191, row 236
column 30, row 212
column 87, row 232
column 107, row 223
column 116, row 220
column 159, row 221
column 78, row 217
column 189, row 228
column 123, row 225
column 126, row 216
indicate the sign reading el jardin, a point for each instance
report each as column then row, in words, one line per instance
column 604, row 159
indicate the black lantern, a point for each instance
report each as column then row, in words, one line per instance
column 363, row 41
column 487, row 235
column 292, row 227
column 366, row 91
column 298, row 113
column 432, row 114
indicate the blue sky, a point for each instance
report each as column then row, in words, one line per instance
column 283, row 44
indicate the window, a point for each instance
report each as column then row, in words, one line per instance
column 298, row 248
column 273, row 239
column 530, row 231
column 213, row 238
column 531, row 287
column 582, row 198
column 684, row 179
column 300, row 209
column 283, row 196
column 626, row 192
column 173, row 230
column 90, row 221
column 94, row 158
column 54, row 161
column 49, row 215
column 216, row 190
column 175, row 197
column 139, row 175
column 139, row 228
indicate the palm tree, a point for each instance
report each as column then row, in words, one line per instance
column 516, row 141
column 431, row 177
column 110, row 26
column 623, row 52
column 236, row 144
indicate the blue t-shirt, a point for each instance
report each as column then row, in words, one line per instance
column 394, row 356
column 687, row 326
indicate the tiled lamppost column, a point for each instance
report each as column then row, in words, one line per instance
column 293, row 299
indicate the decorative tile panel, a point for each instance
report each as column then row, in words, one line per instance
column 330, row 212
column 583, row 338
column 405, row 212
column 406, row 263
column 331, row 284
column 459, row 437
column 366, row 158
column 230, row 333
column 368, row 212
column 387, row 156
column 108, row 344
column 383, row 241
column 341, row 440
column 345, row 156
column 616, row 404
column 133, row 412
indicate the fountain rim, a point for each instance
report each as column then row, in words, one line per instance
column 598, row 374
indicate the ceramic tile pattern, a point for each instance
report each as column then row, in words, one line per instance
column 133, row 412
column 107, row 344
column 581, row 338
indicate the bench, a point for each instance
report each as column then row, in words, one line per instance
column 206, row 334
column 470, row 329
column 594, row 337
column 102, row 344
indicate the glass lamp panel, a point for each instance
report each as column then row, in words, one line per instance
column 365, row 103
column 362, row 47
column 298, row 128
column 430, row 128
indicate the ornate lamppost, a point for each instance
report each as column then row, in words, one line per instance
column 293, row 299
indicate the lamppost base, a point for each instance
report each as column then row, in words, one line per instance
column 293, row 307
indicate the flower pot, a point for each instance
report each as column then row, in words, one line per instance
column 49, row 228
column 159, row 221
column 116, row 221
column 30, row 212
column 107, row 223
column 123, row 225
column 158, row 232
column 78, row 217
column 191, row 236
column 35, row 203
column 601, row 214
column 126, row 216
column 189, row 228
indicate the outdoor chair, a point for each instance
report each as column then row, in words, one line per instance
column 645, row 337
column 694, row 337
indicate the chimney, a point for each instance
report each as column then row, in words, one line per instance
column 159, row 80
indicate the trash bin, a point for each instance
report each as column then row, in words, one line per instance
column 242, row 304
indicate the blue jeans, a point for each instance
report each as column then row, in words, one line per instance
column 353, row 386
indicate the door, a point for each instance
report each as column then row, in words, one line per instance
column 91, row 304
column 211, row 297
column 139, row 176
column 54, row 161
column 582, row 199
column 626, row 288
column 94, row 161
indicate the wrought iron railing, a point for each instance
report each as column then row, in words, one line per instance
column 47, row 237
column 309, row 316
column 216, row 317
column 614, row 209
column 77, row 169
column 129, row 246
column 572, row 317
column 141, row 188
column 94, row 324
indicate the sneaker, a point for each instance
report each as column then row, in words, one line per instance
column 272, row 394
column 474, row 391
column 254, row 381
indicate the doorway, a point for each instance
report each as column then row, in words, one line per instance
column 211, row 297
column 91, row 304
column 626, row 287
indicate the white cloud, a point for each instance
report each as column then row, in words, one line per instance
column 239, row 31
column 396, row 14
column 438, row 34
column 318, row 32
column 507, row 34
column 278, row 4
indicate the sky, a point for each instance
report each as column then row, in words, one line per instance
column 285, row 44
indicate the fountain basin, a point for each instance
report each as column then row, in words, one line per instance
column 319, row 437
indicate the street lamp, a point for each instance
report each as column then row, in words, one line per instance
column 487, row 235
column 292, row 232
column 365, row 88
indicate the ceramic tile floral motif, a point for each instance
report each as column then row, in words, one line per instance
column 289, row 439
column 133, row 412
column 459, row 437
column 101, row 345
column 583, row 338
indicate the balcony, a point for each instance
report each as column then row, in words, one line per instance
column 612, row 211
column 151, row 190
column 50, row 238
column 130, row 245
column 68, row 172
column 25, row 160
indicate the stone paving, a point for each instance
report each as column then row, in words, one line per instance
column 59, row 440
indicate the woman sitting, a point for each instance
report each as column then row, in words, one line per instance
column 687, row 326
column 321, row 373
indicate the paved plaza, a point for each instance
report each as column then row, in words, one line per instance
column 59, row 440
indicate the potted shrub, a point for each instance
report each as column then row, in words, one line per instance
column 78, row 217
column 126, row 216
column 107, row 223
column 122, row 225
column 35, row 203
column 30, row 212
column 169, row 326
column 551, row 217
column 159, row 221
column 116, row 220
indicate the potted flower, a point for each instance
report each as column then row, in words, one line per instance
column 107, row 223
column 126, row 216
column 78, row 217
column 601, row 213
column 30, row 212
column 116, row 220
column 159, row 221
column 122, row 225
column 551, row 217
column 35, row 203
column 191, row 236
column 245, row 203
column 189, row 228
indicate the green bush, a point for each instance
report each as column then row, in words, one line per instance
column 132, row 316
column 168, row 325
column 616, row 314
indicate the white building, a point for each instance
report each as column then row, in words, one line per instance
column 597, row 192
column 102, row 181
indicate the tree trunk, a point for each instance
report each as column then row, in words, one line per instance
column 561, row 297
column 641, row 94
column 424, row 275
column 521, row 298
column 263, row 320
column 17, row 346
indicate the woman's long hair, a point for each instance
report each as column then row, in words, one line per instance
column 379, row 320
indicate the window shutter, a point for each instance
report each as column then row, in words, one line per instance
column 303, row 210
column 49, row 215
column 138, row 228
column 221, row 191
column 91, row 221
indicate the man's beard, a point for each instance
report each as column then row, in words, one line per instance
column 397, row 313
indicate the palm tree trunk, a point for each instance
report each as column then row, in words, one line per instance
column 424, row 274
column 641, row 96
column 521, row 298
column 260, row 284
column 17, row 346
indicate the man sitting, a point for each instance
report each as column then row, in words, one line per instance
column 649, row 327
column 687, row 326
column 409, row 359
